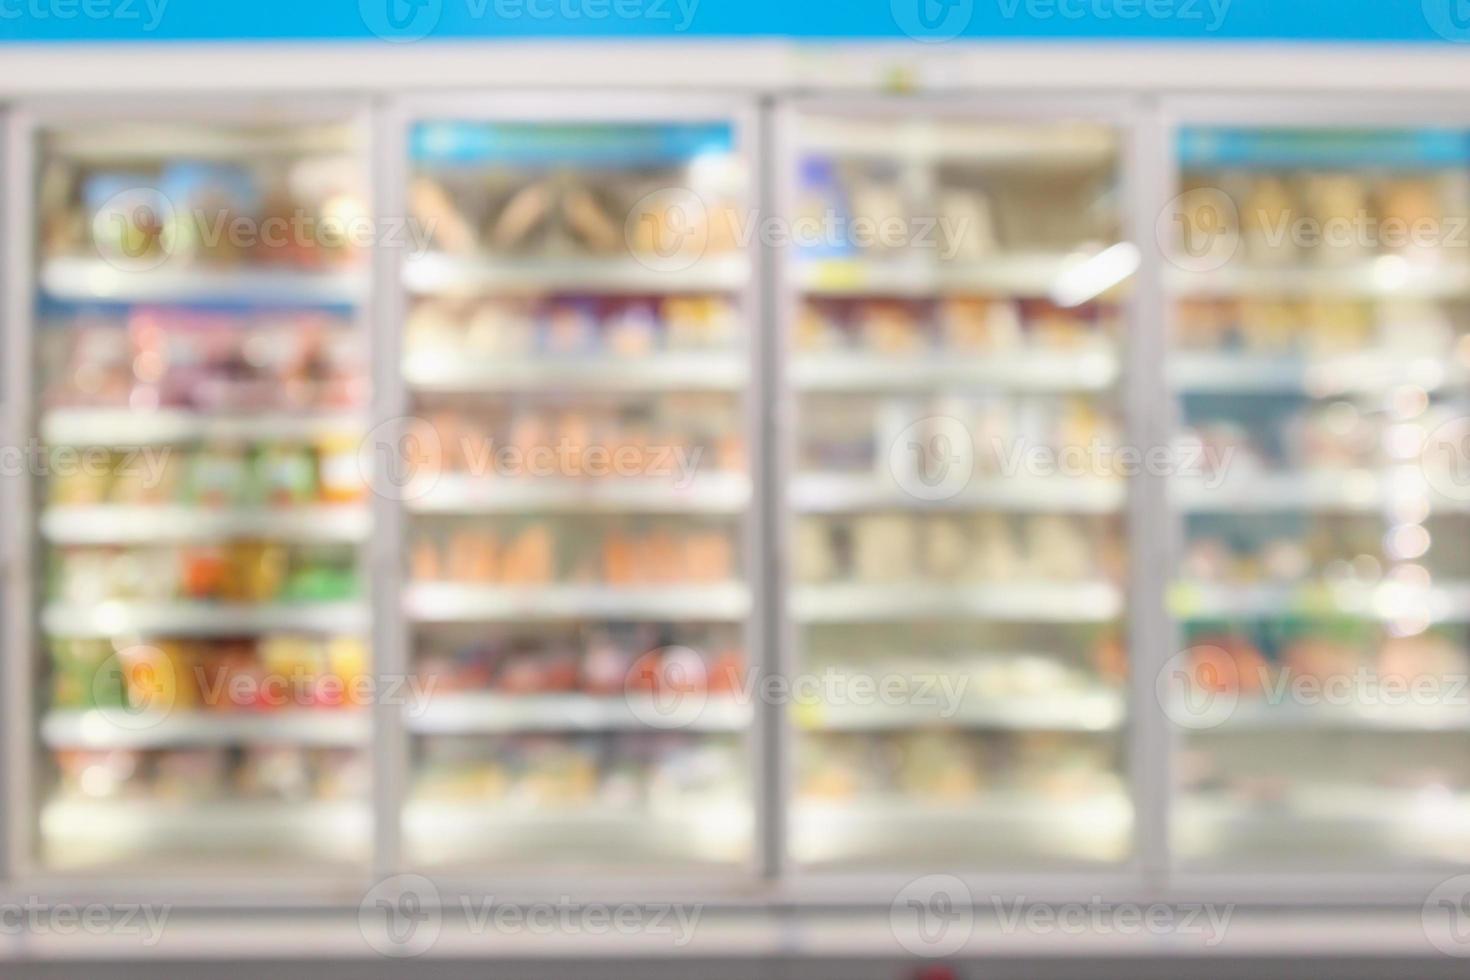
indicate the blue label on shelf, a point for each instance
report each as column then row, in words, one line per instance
column 593, row 145
column 1259, row 147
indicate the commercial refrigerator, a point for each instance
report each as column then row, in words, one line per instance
column 939, row 484
column 1317, row 364
column 579, row 558
column 187, row 625
column 957, row 312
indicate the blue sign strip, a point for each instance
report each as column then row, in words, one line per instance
column 547, row 144
column 1340, row 148
column 400, row 21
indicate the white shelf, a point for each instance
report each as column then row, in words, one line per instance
column 509, row 833
column 1093, row 369
column 1002, row 807
column 1260, row 715
column 1016, row 274
column 446, row 274
column 477, row 713
column 448, row 602
column 147, row 142
column 714, row 493
column 203, row 618
column 108, row 524
column 1365, row 805
column 841, row 493
column 975, row 145
column 1265, row 493
column 1363, row 280
column 1448, row 602
column 1319, row 376
column 461, row 372
column 93, row 280
column 1093, row 711
column 145, row 833
column 1092, row 602
column 99, row 729
column 125, row 427
column 1323, row 825
column 1002, row 826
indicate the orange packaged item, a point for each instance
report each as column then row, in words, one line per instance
column 426, row 566
column 474, row 556
column 228, row 677
column 727, row 674
column 205, row 572
column 159, row 678
column 964, row 324
column 619, row 559
column 660, row 558
column 707, row 557
column 530, row 558
column 1226, row 665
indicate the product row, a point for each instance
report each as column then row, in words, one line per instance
column 968, row 324
column 645, row 211
column 670, row 438
column 994, row 433
column 1328, row 217
column 202, row 359
column 609, row 773
column 1258, row 660
column 1333, row 548
column 939, row 767
column 305, row 211
column 895, row 549
column 615, row 327
column 603, row 661
column 208, row 775
column 216, row 475
column 1322, row 326
column 270, row 673
column 240, row 571
column 614, row 552
column 873, row 208
column 993, row 662
column 1239, row 438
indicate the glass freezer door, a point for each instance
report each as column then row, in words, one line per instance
column 1319, row 365
column 198, row 393
column 957, row 540
column 575, row 354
